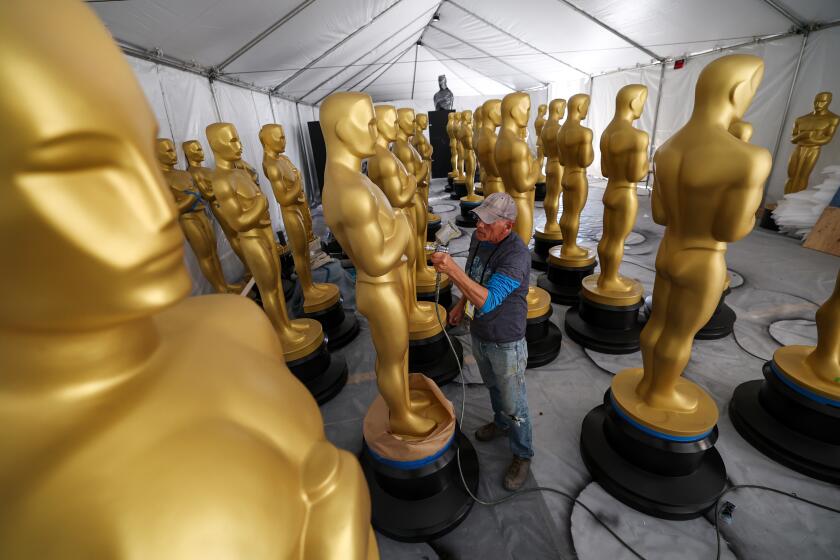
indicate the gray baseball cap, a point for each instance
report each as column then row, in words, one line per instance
column 497, row 206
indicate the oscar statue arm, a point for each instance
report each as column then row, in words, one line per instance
column 586, row 153
column 425, row 167
column 524, row 170
column 639, row 163
column 561, row 148
column 657, row 206
column 374, row 253
column 183, row 201
column 339, row 513
column 605, row 160
column 736, row 215
column 798, row 136
column 231, row 210
column 284, row 195
column 824, row 136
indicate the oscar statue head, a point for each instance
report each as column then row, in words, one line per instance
column 578, row 107
column 165, row 153
column 822, row 101
column 442, row 81
column 224, row 141
column 193, row 151
column 386, row 122
column 556, row 108
column 80, row 189
column 273, row 138
column 349, row 124
column 405, row 120
column 726, row 87
column 492, row 110
column 630, row 100
column 516, row 108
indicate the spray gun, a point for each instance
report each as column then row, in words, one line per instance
column 444, row 235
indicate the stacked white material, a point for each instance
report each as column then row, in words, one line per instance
column 797, row 213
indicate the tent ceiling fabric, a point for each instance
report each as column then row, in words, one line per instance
column 310, row 48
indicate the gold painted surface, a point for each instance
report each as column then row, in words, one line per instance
column 491, row 112
column 575, row 154
column 424, row 148
column 810, row 133
column 136, row 422
column 540, row 233
column 624, row 162
column 203, row 179
column 417, row 214
column 245, row 208
column 465, row 138
column 697, row 420
column 582, row 259
column 539, row 123
column 515, row 162
column 707, row 187
column 629, row 294
column 817, row 368
column 553, row 169
column 285, row 182
column 192, row 219
column 539, row 302
column 459, row 148
column 452, row 123
column 375, row 238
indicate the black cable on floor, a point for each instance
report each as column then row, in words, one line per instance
column 769, row 489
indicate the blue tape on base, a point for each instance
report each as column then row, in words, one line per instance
column 410, row 465
column 623, row 415
column 802, row 390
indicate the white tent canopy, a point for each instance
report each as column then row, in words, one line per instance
column 302, row 50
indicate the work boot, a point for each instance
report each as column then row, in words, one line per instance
column 516, row 473
column 490, row 432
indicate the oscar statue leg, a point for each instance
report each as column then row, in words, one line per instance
column 795, row 165
column 551, row 204
column 384, row 306
column 653, row 330
column 620, row 207
column 198, row 240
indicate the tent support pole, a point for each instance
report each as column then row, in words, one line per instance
column 271, row 29
column 800, row 25
column 400, row 30
column 414, row 75
column 215, row 101
column 485, row 53
column 384, row 69
column 326, row 53
column 655, row 122
column 785, row 115
column 435, row 53
column 443, row 57
column 520, row 40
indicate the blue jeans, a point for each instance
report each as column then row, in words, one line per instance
column 502, row 367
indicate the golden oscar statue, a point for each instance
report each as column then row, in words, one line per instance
column 486, row 147
column 245, row 208
column 191, row 216
column 478, row 120
column 424, row 148
column 285, row 182
column 422, row 275
column 459, row 148
column 539, row 123
column 519, row 170
column 411, row 419
column 569, row 263
column 202, row 176
column 396, row 174
column 136, row 422
column 707, row 188
column 607, row 318
column 465, row 138
column 550, row 235
column 810, row 133
column 791, row 415
column 451, row 131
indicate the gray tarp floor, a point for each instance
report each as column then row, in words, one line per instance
column 777, row 288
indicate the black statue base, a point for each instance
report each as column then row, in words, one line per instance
column 610, row 329
column 432, row 229
column 539, row 254
column 539, row 192
column 434, row 358
column 340, row 326
column 721, row 323
column 459, row 190
column 426, row 502
column 467, row 219
column 792, row 426
column 322, row 373
column 543, row 339
column 563, row 283
column 449, row 180
column 445, row 297
column 651, row 473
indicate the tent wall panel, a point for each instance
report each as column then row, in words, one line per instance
column 815, row 75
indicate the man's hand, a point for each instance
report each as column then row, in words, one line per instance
column 443, row 263
column 456, row 314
